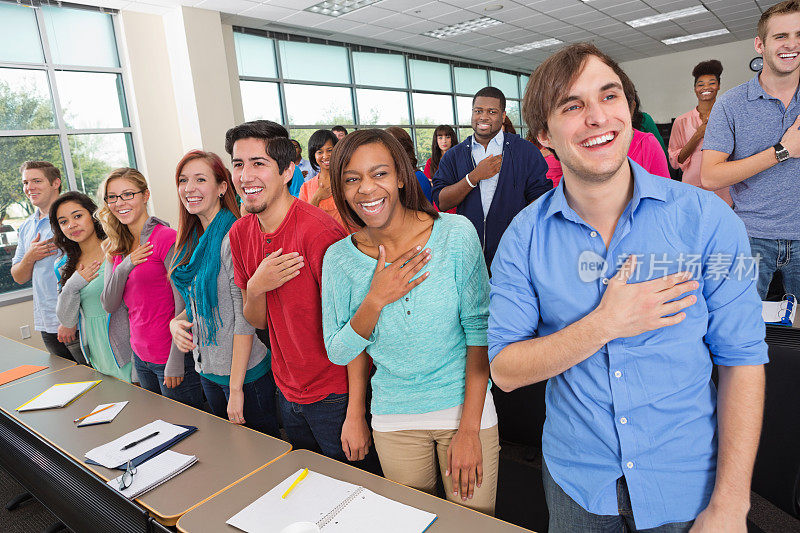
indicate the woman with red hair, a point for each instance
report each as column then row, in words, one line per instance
column 233, row 363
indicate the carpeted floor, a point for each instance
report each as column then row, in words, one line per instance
column 520, row 500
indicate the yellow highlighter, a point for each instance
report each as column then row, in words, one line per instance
column 300, row 478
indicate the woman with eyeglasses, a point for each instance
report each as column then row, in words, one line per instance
column 139, row 250
column 234, row 365
column 104, row 339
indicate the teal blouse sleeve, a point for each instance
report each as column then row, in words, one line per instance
column 342, row 343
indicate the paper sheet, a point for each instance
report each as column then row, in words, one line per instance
column 111, row 455
column 106, row 416
column 58, row 395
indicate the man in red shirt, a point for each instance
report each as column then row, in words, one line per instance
column 277, row 258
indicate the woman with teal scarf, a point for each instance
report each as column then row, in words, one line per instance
column 233, row 363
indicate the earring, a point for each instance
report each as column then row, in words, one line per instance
column 222, row 195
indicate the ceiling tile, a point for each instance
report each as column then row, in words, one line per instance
column 268, row 12
column 227, row 6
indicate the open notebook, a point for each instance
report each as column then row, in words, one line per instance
column 58, row 395
column 154, row 472
column 781, row 313
column 335, row 506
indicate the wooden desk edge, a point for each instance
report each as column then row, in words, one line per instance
column 165, row 520
column 445, row 500
column 176, row 523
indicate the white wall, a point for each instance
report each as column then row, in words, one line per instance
column 665, row 83
column 12, row 317
column 153, row 110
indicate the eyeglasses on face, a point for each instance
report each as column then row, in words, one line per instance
column 127, row 195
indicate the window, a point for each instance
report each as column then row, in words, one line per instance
column 470, row 80
column 382, row 107
column 62, row 100
column 308, row 84
column 383, row 70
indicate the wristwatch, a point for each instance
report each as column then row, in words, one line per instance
column 781, row 153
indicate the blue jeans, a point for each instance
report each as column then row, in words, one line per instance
column 259, row 403
column 566, row 516
column 151, row 377
column 781, row 254
column 315, row 426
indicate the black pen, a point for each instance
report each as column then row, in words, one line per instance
column 132, row 444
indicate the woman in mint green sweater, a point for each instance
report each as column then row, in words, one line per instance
column 410, row 290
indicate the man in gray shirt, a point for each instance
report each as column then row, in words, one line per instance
column 752, row 144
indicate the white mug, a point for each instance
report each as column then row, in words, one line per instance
column 301, row 527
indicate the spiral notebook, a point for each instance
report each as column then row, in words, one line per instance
column 154, row 472
column 780, row 313
column 335, row 506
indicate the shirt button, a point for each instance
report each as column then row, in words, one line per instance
column 269, row 241
column 408, row 312
column 617, row 374
column 630, row 464
column 593, row 234
column 605, row 281
column 623, row 420
column 406, row 299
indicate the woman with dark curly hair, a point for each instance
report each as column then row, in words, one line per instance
column 78, row 235
column 686, row 139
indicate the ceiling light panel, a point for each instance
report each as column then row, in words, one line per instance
column 694, row 37
column 663, row 17
column 530, row 46
column 463, row 27
column 336, row 8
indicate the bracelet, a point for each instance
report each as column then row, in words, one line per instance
column 469, row 182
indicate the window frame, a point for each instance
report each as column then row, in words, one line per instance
column 61, row 132
column 409, row 90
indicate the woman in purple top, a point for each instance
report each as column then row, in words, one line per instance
column 139, row 249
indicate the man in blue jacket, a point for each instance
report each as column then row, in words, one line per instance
column 490, row 176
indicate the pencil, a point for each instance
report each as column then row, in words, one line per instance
column 300, row 478
column 94, row 413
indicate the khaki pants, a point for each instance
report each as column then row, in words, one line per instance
column 407, row 457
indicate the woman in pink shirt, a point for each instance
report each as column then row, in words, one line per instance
column 686, row 139
column 645, row 150
column 139, row 249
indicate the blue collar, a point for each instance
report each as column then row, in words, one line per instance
column 756, row 91
column 497, row 139
column 645, row 185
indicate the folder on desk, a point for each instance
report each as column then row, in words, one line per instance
column 335, row 506
column 111, row 455
column 20, row 372
column 59, row 395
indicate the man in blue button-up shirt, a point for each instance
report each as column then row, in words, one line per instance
column 35, row 257
column 635, row 434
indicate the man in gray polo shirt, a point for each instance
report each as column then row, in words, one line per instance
column 752, row 144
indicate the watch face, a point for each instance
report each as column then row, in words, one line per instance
column 756, row 64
